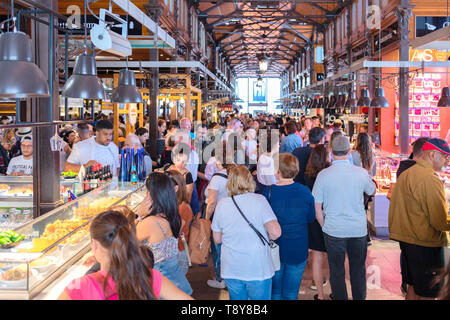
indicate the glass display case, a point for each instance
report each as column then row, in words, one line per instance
column 57, row 239
column 16, row 199
column 387, row 165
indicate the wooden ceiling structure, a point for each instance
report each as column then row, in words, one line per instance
column 247, row 31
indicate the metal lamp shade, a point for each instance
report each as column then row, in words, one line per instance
column 84, row 83
column 20, row 77
column 352, row 100
column 332, row 103
column 379, row 100
column 364, row 98
column 340, row 101
column 126, row 91
column 444, row 101
column 326, row 101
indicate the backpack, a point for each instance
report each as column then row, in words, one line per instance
column 199, row 239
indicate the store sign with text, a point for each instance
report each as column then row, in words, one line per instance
column 427, row 55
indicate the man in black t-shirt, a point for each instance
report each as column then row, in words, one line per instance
column 316, row 136
column 416, row 154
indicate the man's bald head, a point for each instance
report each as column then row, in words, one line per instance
column 132, row 141
column 185, row 123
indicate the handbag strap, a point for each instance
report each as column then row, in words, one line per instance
column 261, row 237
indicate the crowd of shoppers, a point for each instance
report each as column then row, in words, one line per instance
column 298, row 184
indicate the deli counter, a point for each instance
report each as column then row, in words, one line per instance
column 16, row 199
column 386, row 177
column 58, row 239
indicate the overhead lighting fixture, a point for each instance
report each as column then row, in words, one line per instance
column 326, row 101
column 110, row 41
column 364, row 98
column 126, row 91
column 20, row 77
column 444, row 101
column 379, row 100
column 352, row 100
column 84, row 83
column 263, row 65
column 332, row 103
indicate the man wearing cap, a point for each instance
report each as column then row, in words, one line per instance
column 22, row 165
column 340, row 211
column 418, row 219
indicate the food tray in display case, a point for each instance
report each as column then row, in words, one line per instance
column 16, row 199
column 56, row 240
column 387, row 165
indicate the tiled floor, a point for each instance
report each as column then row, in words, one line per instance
column 383, row 276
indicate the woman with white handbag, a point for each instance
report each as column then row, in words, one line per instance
column 245, row 224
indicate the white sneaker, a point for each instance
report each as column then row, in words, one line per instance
column 216, row 284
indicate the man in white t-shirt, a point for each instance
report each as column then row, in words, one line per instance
column 22, row 165
column 98, row 149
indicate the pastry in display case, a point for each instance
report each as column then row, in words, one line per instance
column 16, row 199
column 51, row 243
column 387, row 165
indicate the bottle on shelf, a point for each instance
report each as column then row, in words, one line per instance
column 134, row 175
column 94, row 180
column 123, row 167
column 87, row 180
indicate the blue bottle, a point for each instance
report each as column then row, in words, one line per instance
column 144, row 173
column 123, row 167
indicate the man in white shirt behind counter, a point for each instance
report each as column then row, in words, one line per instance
column 22, row 165
column 97, row 149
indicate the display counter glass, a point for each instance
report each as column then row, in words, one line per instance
column 16, row 199
column 57, row 239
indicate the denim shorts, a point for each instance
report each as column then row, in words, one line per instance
column 172, row 271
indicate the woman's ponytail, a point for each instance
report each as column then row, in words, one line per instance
column 130, row 266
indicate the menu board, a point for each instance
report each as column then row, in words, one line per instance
column 424, row 117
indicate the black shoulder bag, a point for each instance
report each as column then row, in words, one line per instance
column 274, row 248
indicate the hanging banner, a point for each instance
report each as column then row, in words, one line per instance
column 132, row 114
column 259, row 92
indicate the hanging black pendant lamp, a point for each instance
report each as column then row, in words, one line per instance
column 379, row 100
column 352, row 100
column 19, row 76
column 84, row 83
column 126, row 91
column 364, row 98
column 326, row 101
column 332, row 103
column 444, row 101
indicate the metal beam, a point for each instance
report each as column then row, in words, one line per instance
column 142, row 18
column 218, row 4
column 157, row 64
column 430, row 38
column 315, row 5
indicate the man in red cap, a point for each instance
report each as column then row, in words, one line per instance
column 418, row 219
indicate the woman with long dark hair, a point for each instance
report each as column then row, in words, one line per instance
column 319, row 159
column 159, row 225
column 186, row 217
column 363, row 155
column 125, row 266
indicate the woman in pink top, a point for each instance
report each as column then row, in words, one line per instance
column 125, row 266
